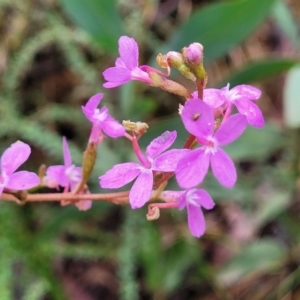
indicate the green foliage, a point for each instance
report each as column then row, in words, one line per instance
column 100, row 19
column 220, row 26
column 159, row 257
column 291, row 98
column 259, row 70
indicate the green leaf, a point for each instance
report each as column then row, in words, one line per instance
column 220, row 26
column 259, row 256
column 99, row 18
column 291, row 100
column 259, row 70
column 256, row 143
column 287, row 23
column 270, row 208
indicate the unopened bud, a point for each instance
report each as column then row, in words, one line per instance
column 193, row 57
column 193, row 54
column 88, row 163
column 137, row 127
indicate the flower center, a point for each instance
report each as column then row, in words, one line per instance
column 191, row 198
column 210, row 145
column 73, row 174
column 100, row 115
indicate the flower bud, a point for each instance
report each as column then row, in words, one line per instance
column 193, row 54
column 138, row 127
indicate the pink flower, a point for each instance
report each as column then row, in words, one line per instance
column 193, row 199
column 101, row 120
column 242, row 96
column 198, row 120
column 11, row 160
column 155, row 160
column 67, row 176
column 126, row 68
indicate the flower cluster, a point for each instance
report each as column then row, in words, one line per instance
column 208, row 119
column 208, row 115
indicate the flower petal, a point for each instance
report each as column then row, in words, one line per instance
column 182, row 200
column 167, row 162
column 56, row 174
column 233, row 127
column 84, row 205
column 14, row 156
column 192, row 168
column 223, row 168
column 22, row 180
column 196, row 220
column 251, row 111
column 112, row 127
column 93, row 102
column 204, row 199
column 129, row 51
column 247, row 91
column 141, row 190
column 119, row 175
column 213, row 97
column 198, row 118
column 117, row 75
column 66, row 152
column 161, row 143
column 109, row 85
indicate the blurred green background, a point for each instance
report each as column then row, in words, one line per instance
column 52, row 55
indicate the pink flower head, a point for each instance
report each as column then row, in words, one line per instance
column 11, row 159
column 193, row 199
column 67, row 176
column 101, row 120
column 155, row 160
column 126, row 68
column 198, row 120
column 242, row 96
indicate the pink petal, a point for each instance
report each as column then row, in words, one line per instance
column 84, row 205
column 96, row 135
column 196, row 220
column 213, row 97
column 112, row 127
column 66, row 152
column 204, row 199
column 182, row 201
column 247, row 91
column 109, row 85
column 167, row 162
column 141, row 190
column 233, row 127
column 14, row 156
column 161, row 143
column 192, row 168
column 198, row 118
column 117, row 75
column 57, row 174
column 129, row 51
column 251, row 111
column 22, row 180
column 93, row 102
column 138, row 74
column 223, row 168
column 120, row 175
